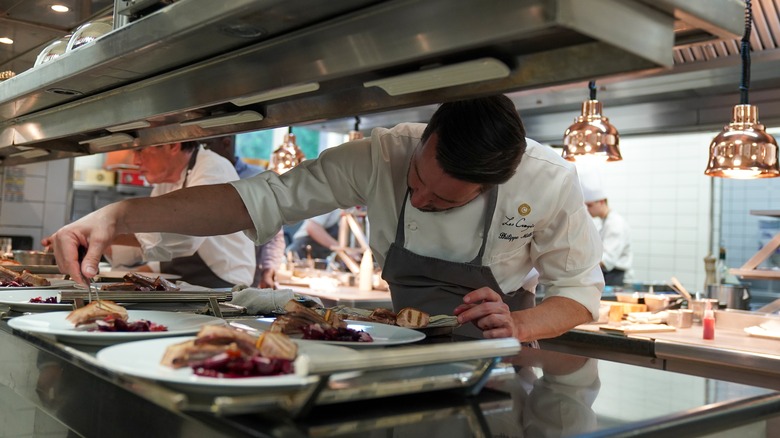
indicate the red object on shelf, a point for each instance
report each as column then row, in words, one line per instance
column 708, row 323
column 130, row 177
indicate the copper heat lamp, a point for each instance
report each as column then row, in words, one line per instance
column 591, row 136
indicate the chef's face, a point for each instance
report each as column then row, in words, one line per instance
column 159, row 164
column 432, row 189
column 597, row 208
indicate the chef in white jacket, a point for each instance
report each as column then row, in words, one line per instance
column 461, row 211
column 613, row 229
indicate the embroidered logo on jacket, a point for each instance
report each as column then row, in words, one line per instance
column 521, row 227
column 524, row 209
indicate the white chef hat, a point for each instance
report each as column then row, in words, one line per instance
column 592, row 185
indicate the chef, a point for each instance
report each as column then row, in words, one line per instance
column 214, row 261
column 461, row 210
column 613, row 228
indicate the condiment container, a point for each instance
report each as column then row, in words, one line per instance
column 698, row 307
column 708, row 323
column 682, row 318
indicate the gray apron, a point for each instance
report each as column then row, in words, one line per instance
column 437, row 286
column 192, row 268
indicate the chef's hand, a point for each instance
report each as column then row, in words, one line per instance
column 94, row 231
column 267, row 279
column 485, row 309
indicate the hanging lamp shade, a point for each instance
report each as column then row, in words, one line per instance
column 743, row 150
column 286, row 156
column 591, row 136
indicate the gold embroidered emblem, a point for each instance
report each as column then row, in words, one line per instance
column 524, row 209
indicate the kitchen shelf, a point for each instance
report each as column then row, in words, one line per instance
column 750, row 268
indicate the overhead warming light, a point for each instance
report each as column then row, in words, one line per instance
column 277, row 93
column 355, row 134
column 99, row 144
column 591, row 136
column 287, row 155
column 743, row 150
column 440, row 77
column 128, row 126
column 225, row 119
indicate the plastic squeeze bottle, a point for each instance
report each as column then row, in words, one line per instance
column 708, row 322
column 366, row 274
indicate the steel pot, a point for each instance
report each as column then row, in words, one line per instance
column 733, row 296
column 34, row 257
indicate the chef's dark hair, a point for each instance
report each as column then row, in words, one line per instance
column 480, row 140
column 189, row 145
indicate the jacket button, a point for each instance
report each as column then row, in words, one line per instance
column 412, row 226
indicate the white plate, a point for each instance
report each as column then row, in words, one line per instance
column 383, row 334
column 19, row 300
column 762, row 332
column 55, row 284
column 142, row 359
column 54, row 323
column 119, row 275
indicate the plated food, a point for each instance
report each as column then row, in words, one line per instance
column 55, row 324
column 9, row 278
column 108, row 316
column 139, row 282
column 312, row 325
column 221, row 351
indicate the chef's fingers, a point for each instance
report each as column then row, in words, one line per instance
column 66, row 254
column 482, row 310
column 481, row 294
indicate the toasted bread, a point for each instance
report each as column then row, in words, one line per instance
column 412, row 318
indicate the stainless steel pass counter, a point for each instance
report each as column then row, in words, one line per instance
column 536, row 393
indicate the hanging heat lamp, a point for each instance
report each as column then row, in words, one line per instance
column 591, row 136
column 287, row 155
column 743, row 150
column 355, row 134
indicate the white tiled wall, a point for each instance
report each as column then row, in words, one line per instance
column 661, row 190
column 35, row 199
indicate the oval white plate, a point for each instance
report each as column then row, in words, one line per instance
column 54, row 323
column 19, row 300
column 55, row 284
column 383, row 334
column 142, row 359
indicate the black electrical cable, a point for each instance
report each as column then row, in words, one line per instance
column 745, row 48
column 592, row 86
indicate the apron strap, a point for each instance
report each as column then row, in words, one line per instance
column 190, row 165
column 490, row 208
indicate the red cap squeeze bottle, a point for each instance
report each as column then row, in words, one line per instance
column 708, row 321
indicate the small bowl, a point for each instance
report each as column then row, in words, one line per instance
column 656, row 302
column 628, row 297
column 34, row 257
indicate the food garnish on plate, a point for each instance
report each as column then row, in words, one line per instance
column 313, row 326
column 9, row 278
column 108, row 316
column 222, row 351
column 139, row 282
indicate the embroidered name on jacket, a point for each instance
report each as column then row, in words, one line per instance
column 524, row 229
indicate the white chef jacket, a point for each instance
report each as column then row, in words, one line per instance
column 540, row 219
column 232, row 256
column 616, row 241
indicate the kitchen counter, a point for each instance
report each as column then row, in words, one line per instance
column 733, row 355
column 525, row 396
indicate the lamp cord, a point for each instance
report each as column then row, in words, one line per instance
column 357, row 123
column 745, row 48
column 592, row 86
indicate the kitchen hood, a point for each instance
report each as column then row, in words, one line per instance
column 198, row 68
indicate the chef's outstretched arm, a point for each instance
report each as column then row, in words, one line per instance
column 198, row 211
column 553, row 317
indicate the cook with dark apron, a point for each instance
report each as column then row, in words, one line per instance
column 192, row 268
column 437, row 286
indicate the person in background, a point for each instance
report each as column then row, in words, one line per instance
column 461, row 210
column 613, row 228
column 269, row 255
column 213, row 261
column 317, row 233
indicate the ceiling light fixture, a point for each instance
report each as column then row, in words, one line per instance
column 224, row 119
column 743, row 149
column 101, row 143
column 287, row 155
column 6, row 40
column 59, row 8
column 591, row 136
column 277, row 93
column 440, row 77
column 128, row 126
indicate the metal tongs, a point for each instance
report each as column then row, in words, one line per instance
column 82, row 251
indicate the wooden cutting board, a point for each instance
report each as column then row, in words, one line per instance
column 637, row 328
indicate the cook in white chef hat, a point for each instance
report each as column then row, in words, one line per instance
column 592, row 185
